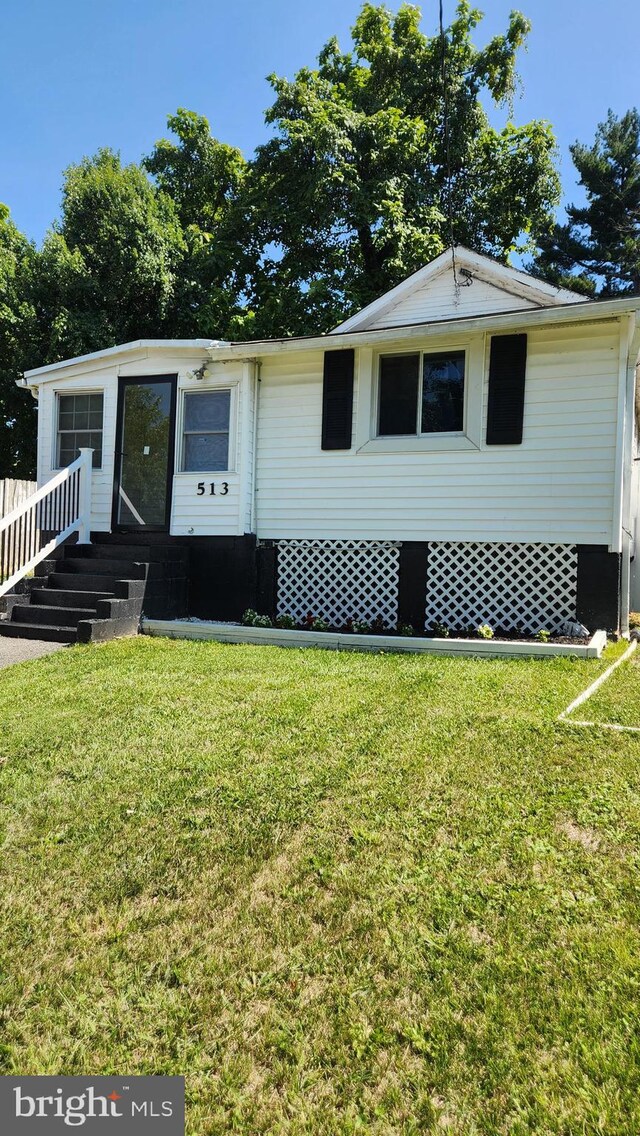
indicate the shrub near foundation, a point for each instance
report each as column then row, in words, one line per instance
column 251, row 618
column 286, row 622
column 439, row 630
column 485, row 631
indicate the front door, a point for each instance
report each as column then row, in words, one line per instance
column 144, row 453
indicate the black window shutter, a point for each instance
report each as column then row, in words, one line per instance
column 505, row 408
column 337, row 399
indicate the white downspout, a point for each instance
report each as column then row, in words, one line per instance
column 628, row 346
column 253, row 512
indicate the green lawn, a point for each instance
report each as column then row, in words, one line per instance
column 618, row 699
column 341, row 893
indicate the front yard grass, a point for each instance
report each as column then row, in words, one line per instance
column 340, row 893
column 617, row 701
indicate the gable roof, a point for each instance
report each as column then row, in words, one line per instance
column 519, row 289
column 221, row 350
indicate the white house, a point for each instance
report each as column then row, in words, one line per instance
column 461, row 450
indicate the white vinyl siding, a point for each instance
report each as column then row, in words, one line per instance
column 438, row 300
column 192, row 514
column 220, row 513
column 556, row 486
column 249, row 400
column 104, row 381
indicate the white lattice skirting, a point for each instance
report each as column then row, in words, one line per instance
column 339, row 580
column 510, row 586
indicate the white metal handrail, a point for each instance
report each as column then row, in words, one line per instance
column 47, row 518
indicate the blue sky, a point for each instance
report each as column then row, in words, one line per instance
column 79, row 74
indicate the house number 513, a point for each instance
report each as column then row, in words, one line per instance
column 220, row 488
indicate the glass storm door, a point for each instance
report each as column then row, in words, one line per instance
column 144, row 455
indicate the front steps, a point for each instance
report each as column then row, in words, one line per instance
column 93, row 592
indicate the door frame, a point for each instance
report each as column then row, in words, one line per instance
column 142, row 380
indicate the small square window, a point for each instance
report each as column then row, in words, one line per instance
column 80, row 422
column 207, row 416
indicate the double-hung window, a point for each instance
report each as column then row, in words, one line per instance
column 80, row 419
column 206, row 431
column 421, row 394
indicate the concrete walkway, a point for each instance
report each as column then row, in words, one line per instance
column 21, row 650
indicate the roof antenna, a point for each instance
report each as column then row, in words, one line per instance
column 445, row 115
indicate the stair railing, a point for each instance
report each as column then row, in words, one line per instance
column 45, row 519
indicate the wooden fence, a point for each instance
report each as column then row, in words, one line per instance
column 13, row 493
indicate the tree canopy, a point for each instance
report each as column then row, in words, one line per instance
column 205, row 180
column 382, row 155
column 17, row 334
column 379, row 157
column 111, row 263
column 106, row 273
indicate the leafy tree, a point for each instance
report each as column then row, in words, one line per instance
column 205, row 180
column 17, row 332
column 201, row 175
column 107, row 271
column 380, row 157
column 363, row 182
column 598, row 249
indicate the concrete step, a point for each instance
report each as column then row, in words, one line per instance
column 83, row 582
column 121, row 569
column 38, row 631
column 130, row 589
column 45, row 567
column 145, row 553
column 119, row 609
column 147, row 537
column 100, row 630
column 51, row 616
column 72, row 598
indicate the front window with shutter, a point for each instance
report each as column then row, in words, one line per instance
column 420, row 393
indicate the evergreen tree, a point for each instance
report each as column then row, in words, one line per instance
column 598, row 249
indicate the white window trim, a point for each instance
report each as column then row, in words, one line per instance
column 232, row 387
column 469, row 438
column 59, row 392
